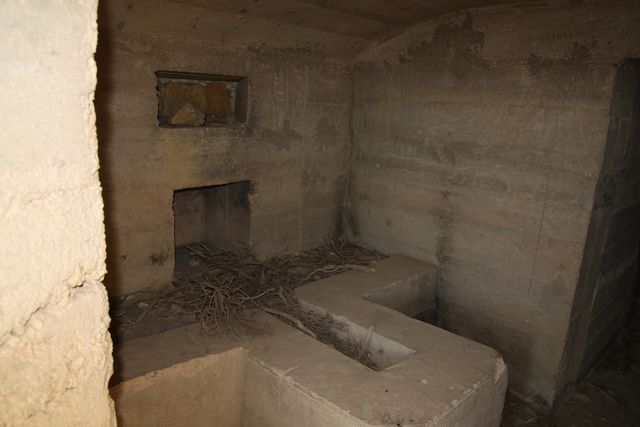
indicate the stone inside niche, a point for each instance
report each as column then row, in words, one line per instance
column 187, row 115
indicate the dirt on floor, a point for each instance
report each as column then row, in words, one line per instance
column 609, row 395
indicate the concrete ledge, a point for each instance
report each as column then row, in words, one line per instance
column 290, row 379
column 455, row 373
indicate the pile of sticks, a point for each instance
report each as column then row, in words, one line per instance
column 229, row 283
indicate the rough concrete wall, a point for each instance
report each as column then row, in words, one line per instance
column 478, row 143
column 203, row 391
column 610, row 266
column 294, row 147
column 55, row 352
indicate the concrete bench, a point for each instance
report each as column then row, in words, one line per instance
column 426, row 377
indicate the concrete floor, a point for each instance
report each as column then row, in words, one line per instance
column 428, row 376
column 608, row 396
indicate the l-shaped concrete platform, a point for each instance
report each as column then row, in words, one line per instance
column 286, row 378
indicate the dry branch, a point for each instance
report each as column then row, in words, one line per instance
column 226, row 283
column 298, row 324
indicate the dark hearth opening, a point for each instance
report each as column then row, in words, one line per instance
column 216, row 215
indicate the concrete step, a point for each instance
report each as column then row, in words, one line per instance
column 429, row 377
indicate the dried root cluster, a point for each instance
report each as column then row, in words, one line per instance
column 225, row 284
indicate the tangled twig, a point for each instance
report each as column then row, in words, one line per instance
column 221, row 285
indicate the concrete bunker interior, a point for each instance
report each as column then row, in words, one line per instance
column 452, row 185
column 443, row 143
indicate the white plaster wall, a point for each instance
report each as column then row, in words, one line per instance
column 55, row 351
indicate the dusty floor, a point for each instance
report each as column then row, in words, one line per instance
column 608, row 396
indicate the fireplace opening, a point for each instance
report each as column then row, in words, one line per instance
column 217, row 216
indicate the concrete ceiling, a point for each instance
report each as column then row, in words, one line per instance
column 338, row 27
column 363, row 19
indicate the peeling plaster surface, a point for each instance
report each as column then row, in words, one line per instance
column 55, row 351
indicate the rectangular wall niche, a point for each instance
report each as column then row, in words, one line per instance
column 217, row 215
column 199, row 100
